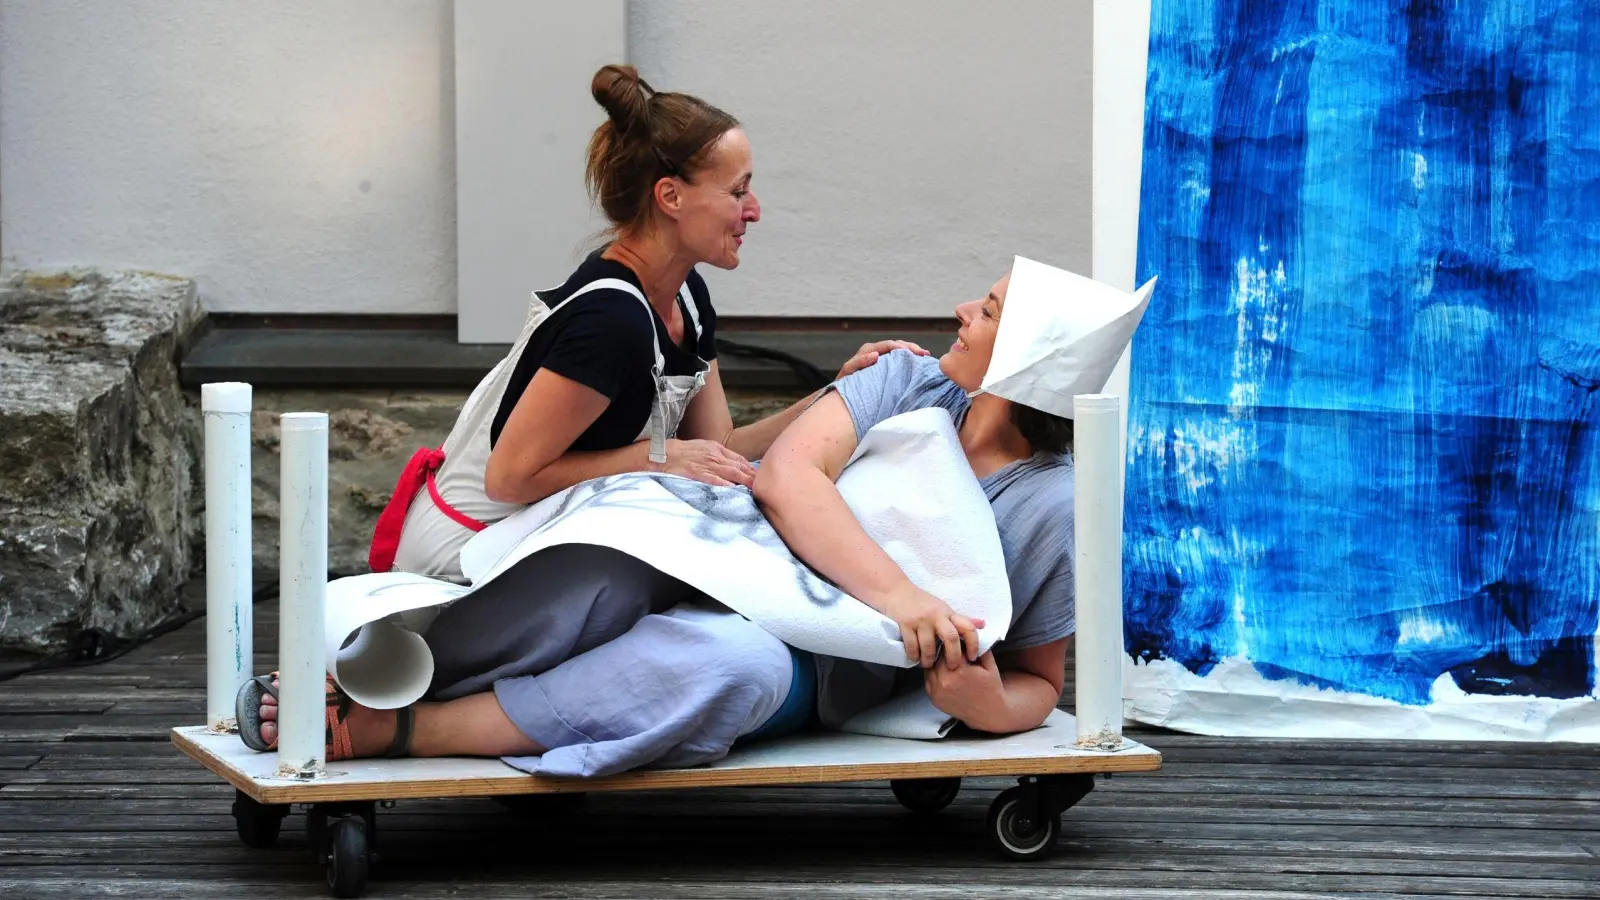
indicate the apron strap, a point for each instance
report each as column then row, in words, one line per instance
column 620, row 285
column 417, row 473
column 687, row 297
column 658, row 421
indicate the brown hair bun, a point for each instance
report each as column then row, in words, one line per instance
column 625, row 97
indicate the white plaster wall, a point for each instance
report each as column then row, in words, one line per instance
column 294, row 156
column 299, row 156
column 524, row 116
column 904, row 149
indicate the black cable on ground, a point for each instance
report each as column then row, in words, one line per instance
column 94, row 645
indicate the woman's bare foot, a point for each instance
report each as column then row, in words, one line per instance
column 371, row 730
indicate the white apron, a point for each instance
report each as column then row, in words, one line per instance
column 441, row 494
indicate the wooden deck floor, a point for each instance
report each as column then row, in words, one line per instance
column 94, row 801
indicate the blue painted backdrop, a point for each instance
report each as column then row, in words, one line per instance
column 1363, row 443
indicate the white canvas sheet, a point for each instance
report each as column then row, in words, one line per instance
column 908, row 483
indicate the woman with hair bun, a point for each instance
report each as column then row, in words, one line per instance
column 615, row 370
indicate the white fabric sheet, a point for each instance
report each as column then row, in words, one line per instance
column 908, row 483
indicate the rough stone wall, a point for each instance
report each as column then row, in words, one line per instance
column 371, row 435
column 99, row 485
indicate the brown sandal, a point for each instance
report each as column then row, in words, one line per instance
column 336, row 731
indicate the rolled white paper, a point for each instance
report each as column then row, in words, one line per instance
column 302, row 585
column 1097, row 449
column 225, row 408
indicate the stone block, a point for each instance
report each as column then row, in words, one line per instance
column 100, row 500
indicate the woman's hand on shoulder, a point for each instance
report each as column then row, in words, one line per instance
column 870, row 353
column 709, row 462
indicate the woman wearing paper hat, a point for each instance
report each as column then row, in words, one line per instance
column 606, row 682
column 615, row 370
column 1039, row 336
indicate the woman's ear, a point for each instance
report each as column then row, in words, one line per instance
column 668, row 197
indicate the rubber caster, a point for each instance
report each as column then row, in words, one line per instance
column 343, row 835
column 347, row 856
column 925, row 796
column 1019, row 825
column 258, row 823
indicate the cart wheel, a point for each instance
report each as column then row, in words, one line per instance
column 1015, row 828
column 258, row 823
column 347, row 856
column 925, row 796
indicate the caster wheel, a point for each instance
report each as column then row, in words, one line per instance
column 1014, row 828
column 258, row 823
column 925, row 796
column 347, row 856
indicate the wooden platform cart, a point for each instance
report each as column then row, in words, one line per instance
column 1055, row 764
column 925, row 777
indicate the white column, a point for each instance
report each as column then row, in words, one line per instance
column 302, row 588
column 225, row 407
column 1121, row 56
column 1097, row 453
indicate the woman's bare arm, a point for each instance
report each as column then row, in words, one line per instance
column 708, row 418
column 533, row 457
column 795, row 487
column 1004, row 695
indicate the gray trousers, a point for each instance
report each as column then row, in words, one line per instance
column 609, row 664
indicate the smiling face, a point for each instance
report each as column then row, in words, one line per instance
column 968, row 358
column 714, row 206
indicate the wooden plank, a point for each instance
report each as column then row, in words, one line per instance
column 77, row 706
column 1200, row 741
column 490, row 834
column 182, row 888
column 1417, row 758
column 459, row 817
column 862, row 855
column 1406, row 774
column 1351, row 788
column 554, row 877
column 801, row 759
column 73, row 749
column 89, row 675
column 19, row 809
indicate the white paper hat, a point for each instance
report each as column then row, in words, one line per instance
column 1060, row 334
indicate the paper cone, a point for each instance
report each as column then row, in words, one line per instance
column 1060, row 334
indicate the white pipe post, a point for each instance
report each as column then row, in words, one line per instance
column 1097, row 511
column 1121, row 57
column 225, row 408
column 302, row 590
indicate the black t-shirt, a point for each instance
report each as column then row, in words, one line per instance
column 604, row 340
